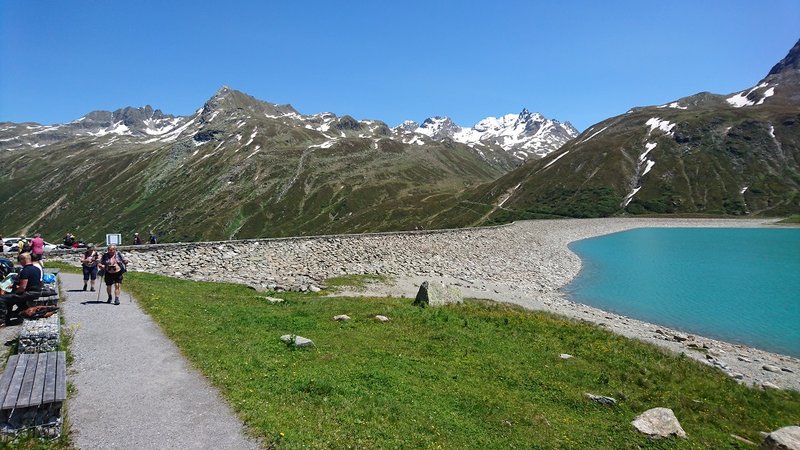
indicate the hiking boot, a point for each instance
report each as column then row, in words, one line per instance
column 84, row 288
column 92, row 289
column 116, row 301
column 109, row 299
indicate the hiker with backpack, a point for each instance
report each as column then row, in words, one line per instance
column 89, row 262
column 23, row 245
column 113, row 264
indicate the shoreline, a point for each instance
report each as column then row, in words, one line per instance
column 741, row 362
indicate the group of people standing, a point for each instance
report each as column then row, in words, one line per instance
column 111, row 265
column 137, row 240
column 28, row 281
column 34, row 246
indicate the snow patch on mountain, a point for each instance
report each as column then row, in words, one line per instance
column 674, row 105
column 593, row 135
column 768, row 93
column 647, row 148
column 741, row 99
column 664, row 125
column 649, row 165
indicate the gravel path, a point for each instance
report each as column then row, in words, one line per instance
column 134, row 388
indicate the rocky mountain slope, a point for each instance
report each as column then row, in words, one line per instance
column 525, row 135
column 237, row 167
column 735, row 154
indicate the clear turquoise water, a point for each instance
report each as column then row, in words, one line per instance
column 738, row 285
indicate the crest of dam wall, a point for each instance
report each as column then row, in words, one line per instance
column 501, row 254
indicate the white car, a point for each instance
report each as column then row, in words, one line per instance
column 10, row 245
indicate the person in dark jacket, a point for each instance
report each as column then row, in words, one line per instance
column 27, row 288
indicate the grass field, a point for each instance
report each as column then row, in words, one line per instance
column 478, row 375
column 795, row 219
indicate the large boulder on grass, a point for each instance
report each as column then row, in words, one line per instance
column 437, row 294
column 659, row 423
column 293, row 340
column 786, row 438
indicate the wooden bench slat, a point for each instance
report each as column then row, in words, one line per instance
column 10, row 400
column 5, row 381
column 49, row 393
column 37, row 390
column 61, row 377
column 24, row 398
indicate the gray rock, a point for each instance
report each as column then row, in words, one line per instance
column 382, row 318
column 603, row 400
column 436, row 294
column 565, row 356
column 273, row 299
column 341, row 317
column 680, row 337
column 771, row 368
column 313, row 288
column 296, row 341
column 768, row 385
column 786, row 438
column 658, row 423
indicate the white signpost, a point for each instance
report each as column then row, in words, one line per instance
column 113, row 239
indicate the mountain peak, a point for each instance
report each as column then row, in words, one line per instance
column 790, row 63
column 438, row 127
column 227, row 99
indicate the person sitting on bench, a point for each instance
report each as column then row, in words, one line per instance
column 28, row 288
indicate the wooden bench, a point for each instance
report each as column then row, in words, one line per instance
column 32, row 390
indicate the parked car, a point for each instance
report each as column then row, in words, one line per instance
column 10, row 245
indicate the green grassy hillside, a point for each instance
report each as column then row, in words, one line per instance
column 283, row 183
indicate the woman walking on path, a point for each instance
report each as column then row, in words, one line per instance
column 113, row 264
column 89, row 262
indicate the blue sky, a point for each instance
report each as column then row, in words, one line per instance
column 581, row 61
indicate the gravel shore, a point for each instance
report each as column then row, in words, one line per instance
column 526, row 263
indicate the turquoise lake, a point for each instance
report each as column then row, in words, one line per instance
column 737, row 285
